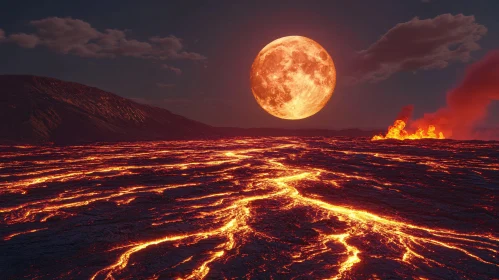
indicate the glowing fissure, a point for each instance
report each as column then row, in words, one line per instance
column 10, row 236
column 228, row 219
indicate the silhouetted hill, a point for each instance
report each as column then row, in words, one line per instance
column 41, row 110
column 36, row 110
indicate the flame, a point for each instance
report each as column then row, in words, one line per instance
column 397, row 131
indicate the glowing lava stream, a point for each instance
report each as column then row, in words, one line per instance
column 233, row 227
column 229, row 199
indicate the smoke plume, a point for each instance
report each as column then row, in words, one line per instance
column 406, row 113
column 467, row 104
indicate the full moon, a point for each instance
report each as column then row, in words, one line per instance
column 293, row 77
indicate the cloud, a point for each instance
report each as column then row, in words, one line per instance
column 24, row 40
column 2, row 34
column 176, row 70
column 64, row 34
column 419, row 45
column 164, row 85
column 77, row 37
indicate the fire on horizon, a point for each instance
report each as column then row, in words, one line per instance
column 467, row 105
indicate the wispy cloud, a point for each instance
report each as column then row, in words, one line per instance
column 176, row 70
column 77, row 37
column 419, row 45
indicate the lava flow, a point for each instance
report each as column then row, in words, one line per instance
column 397, row 131
column 251, row 208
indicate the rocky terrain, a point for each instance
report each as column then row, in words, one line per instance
column 251, row 208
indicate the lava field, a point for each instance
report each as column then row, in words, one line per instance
column 251, row 208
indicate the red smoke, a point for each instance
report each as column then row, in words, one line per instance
column 406, row 113
column 467, row 104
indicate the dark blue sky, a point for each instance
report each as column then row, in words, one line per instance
column 229, row 34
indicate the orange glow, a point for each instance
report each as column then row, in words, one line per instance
column 397, row 131
column 237, row 182
column 293, row 77
column 10, row 236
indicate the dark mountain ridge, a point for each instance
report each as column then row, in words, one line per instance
column 37, row 110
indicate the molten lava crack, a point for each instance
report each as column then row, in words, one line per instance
column 255, row 208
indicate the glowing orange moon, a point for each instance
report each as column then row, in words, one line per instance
column 293, row 77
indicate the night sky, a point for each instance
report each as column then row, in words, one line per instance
column 194, row 57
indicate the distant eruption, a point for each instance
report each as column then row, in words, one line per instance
column 466, row 106
column 397, row 130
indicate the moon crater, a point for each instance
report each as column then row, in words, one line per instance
column 293, row 77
